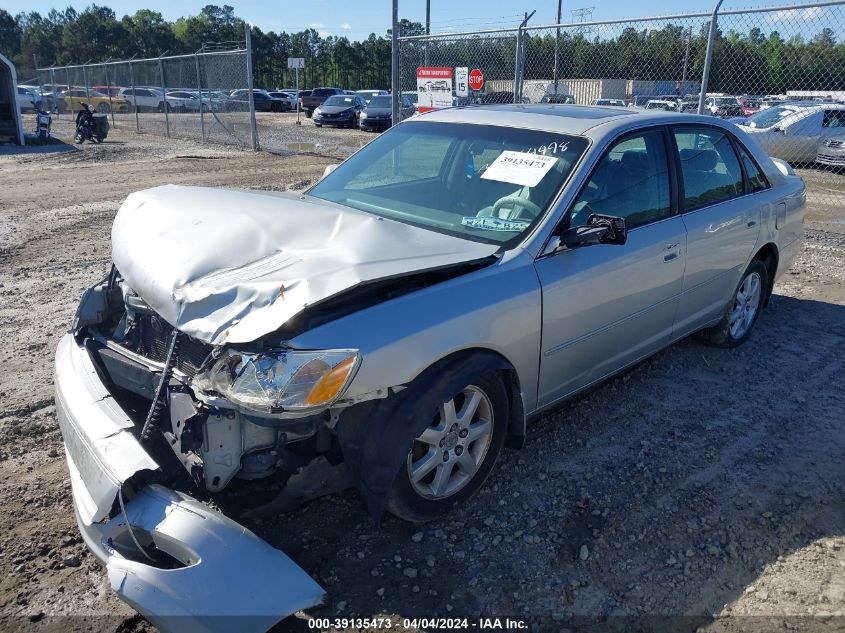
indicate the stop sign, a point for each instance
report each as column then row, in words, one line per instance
column 476, row 79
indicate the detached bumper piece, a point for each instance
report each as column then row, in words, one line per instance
column 181, row 564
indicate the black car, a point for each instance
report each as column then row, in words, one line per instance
column 378, row 115
column 263, row 101
column 313, row 100
column 339, row 110
column 729, row 110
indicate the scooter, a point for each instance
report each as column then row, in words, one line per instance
column 91, row 127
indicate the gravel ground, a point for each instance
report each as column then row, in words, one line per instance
column 702, row 484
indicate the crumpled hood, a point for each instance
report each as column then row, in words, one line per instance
column 230, row 266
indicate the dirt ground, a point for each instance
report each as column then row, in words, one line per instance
column 701, row 490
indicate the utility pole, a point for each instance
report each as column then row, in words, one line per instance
column 427, row 27
column 557, row 43
column 686, row 56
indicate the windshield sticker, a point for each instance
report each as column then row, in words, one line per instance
column 519, row 168
column 551, row 148
column 494, row 224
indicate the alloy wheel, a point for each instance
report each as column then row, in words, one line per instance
column 448, row 454
column 746, row 304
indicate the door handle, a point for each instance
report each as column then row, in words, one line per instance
column 671, row 246
column 670, row 256
column 751, row 223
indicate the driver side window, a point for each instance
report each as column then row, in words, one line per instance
column 631, row 181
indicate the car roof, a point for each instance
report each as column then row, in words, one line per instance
column 593, row 121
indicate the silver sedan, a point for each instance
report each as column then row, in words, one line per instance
column 403, row 319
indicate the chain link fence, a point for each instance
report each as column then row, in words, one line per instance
column 204, row 96
column 777, row 71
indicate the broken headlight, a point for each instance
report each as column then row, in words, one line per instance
column 280, row 379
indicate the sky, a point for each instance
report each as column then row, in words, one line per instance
column 356, row 20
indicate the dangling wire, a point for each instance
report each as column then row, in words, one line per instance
column 158, row 395
column 129, row 525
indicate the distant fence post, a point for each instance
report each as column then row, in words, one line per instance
column 708, row 58
column 166, row 106
column 394, row 65
column 108, row 89
column 134, row 97
column 519, row 66
column 199, row 91
column 85, row 81
column 70, row 97
column 55, row 104
column 253, row 128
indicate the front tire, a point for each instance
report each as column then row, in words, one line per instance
column 452, row 458
column 742, row 310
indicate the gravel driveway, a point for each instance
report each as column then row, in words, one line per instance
column 703, row 483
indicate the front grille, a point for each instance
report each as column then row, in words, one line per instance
column 153, row 340
column 831, row 143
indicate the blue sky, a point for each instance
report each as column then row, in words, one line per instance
column 356, row 19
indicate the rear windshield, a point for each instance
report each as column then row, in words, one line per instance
column 321, row 92
column 480, row 182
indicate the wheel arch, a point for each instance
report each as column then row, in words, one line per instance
column 770, row 256
column 510, row 380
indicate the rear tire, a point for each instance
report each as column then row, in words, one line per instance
column 453, row 457
column 308, row 114
column 742, row 310
column 103, row 108
column 275, row 107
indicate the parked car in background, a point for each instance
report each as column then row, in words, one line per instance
column 712, row 104
column 114, row 91
column 300, row 96
column 831, row 150
column 413, row 96
column 729, row 111
column 406, row 315
column 27, row 99
column 146, row 99
column 75, row 97
column 366, row 95
column 311, row 101
column 378, row 115
column 640, row 101
column 617, row 103
column 339, row 110
column 750, row 105
column 263, row 101
column 185, row 101
column 566, row 99
column 662, row 104
column 288, row 98
column 795, row 136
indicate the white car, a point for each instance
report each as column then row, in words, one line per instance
column 185, row 101
column 616, row 103
column 793, row 132
column 27, row 99
column 144, row 99
column 662, row 104
column 712, row 104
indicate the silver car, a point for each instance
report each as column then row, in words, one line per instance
column 832, row 149
column 403, row 320
column 793, row 132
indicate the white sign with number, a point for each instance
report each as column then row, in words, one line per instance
column 462, row 81
column 296, row 62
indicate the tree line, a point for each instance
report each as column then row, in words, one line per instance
column 748, row 62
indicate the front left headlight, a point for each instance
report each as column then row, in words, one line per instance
column 280, row 380
column 364, row 115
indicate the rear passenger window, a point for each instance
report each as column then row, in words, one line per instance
column 631, row 181
column 756, row 180
column 709, row 166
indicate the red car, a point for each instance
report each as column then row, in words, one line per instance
column 749, row 105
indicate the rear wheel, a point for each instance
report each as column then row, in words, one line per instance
column 308, row 114
column 103, row 107
column 742, row 310
column 453, row 456
column 275, row 107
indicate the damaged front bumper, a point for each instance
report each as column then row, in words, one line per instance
column 181, row 564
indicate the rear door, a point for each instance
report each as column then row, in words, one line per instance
column 606, row 306
column 722, row 214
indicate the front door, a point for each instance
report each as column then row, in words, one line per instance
column 606, row 306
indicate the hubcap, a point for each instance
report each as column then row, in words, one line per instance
column 745, row 306
column 446, row 456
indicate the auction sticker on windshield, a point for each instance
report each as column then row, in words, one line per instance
column 519, row 168
column 494, row 224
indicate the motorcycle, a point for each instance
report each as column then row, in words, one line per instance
column 91, row 127
column 43, row 123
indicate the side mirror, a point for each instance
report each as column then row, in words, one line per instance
column 329, row 169
column 600, row 229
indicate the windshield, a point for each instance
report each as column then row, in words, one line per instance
column 380, row 102
column 338, row 100
column 480, row 182
column 769, row 117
